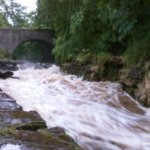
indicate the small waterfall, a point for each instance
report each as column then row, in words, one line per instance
column 97, row 115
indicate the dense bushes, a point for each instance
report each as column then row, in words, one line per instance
column 101, row 27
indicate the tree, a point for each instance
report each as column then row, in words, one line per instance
column 14, row 13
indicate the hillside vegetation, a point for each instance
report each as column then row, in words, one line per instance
column 91, row 31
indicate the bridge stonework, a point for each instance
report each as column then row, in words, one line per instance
column 11, row 38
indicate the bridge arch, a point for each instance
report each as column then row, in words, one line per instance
column 34, row 50
column 44, row 42
column 11, row 38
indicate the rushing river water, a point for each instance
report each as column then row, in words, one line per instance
column 97, row 115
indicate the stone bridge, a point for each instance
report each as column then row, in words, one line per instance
column 11, row 38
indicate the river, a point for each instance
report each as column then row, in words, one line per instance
column 97, row 115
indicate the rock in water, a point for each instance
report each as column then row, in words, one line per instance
column 5, row 75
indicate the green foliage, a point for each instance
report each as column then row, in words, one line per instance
column 14, row 14
column 76, row 21
column 3, row 54
column 84, row 57
column 3, row 21
column 102, row 27
column 101, row 58
column 140, row 48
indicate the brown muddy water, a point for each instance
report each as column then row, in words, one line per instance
column 97, row 115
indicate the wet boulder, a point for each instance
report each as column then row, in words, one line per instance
column 8, row 65
column 32, row 126
column 135, row 73
column 6, row 74
column 142, row 93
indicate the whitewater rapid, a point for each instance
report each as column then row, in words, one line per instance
column 97, row 115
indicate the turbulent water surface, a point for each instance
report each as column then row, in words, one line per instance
column 97, row 115
column 10, row 147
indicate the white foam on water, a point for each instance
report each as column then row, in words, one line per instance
column 10, row 147
column 97, row 115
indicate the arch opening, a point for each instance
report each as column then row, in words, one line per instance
column 34, row 50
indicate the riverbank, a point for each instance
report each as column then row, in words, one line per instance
column 135, row 81
column 27, row 129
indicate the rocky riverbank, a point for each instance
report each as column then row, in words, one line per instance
column 135, row 81
column 27, row 129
